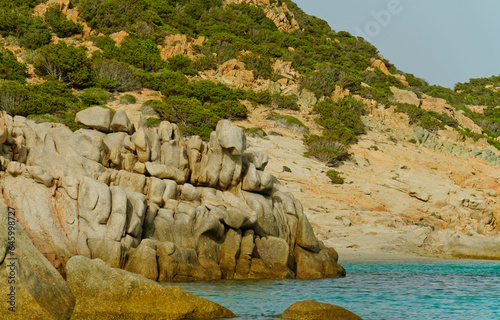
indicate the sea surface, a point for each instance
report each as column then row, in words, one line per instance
column 427, row 289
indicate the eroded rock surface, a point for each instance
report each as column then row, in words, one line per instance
column 31, row 287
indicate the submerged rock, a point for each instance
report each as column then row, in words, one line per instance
column 102, row 292
column 313, row 310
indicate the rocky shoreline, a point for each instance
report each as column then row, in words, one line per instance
column 151, row 202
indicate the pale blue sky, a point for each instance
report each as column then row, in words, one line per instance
column 441, row 41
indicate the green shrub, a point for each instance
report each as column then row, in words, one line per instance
column 45, row 98
column 143, row 54
column 94, row 96
column 285, row 102
column 255, row 132
column 335, row 177
column 35, row 36
column 152, row 103
column 262, row 66
column 341, row 119
column 426, row 119
column 182, row 64
column 128, row 99
column 289, row 120
column 229, row 109
column 17, row 20
column 169, row 83
column 115, row 76
column 12, row 97
column 259, row 97
column 207, row 91
column 59, row 24
column 110, row 16
column 65, row 63
column 10, row 68
column 205, row 63
column 51, row 97
column 326, row 149
column 318, row 83
column 190, row 115
column 153, row 122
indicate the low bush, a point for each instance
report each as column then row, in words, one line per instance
column 182, row 64
column 128, row 99
column 94, row 96
column 12, row 97
column 65, row 63
column 59, row 24
column 229, row 109
column 288, row 119
column 49, row 97
column 256, row 97
column 190, row 115
column 117, row 76
column 142, row 54
column 153, row 122
column 326, row 149
column 10, row 68
column 341, row 119
column 285, row 102
column 335, row 177
column 255, row 132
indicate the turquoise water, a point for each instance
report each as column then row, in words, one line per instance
column 456, row 289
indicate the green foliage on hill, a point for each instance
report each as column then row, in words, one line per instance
column 10, row 68
column 17, row 20
column 342, row 124
column 64, row 63
column 49, row 97
column 59, row 24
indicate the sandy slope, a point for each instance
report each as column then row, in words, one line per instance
column 395, row 193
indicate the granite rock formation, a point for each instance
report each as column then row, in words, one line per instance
column 156, row 203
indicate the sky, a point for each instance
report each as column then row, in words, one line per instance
column 441, row 41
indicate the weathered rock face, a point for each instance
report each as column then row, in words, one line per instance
column 30, row 285
column 282, row 17
column 313, row 310
column 179, row 44
column 157, row 204
column 129, row 296
column 458, row 245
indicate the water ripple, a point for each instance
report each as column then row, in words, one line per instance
column 443, row 289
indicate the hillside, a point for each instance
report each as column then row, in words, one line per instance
column 381, row 160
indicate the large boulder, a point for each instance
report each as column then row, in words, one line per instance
column 95, row 117
column 458, row 245
column 104, row 293
column 405, row 96
column 32, row 287
column 313, row 310
column 121, row 123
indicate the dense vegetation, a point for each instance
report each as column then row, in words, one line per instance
column 324, row 58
